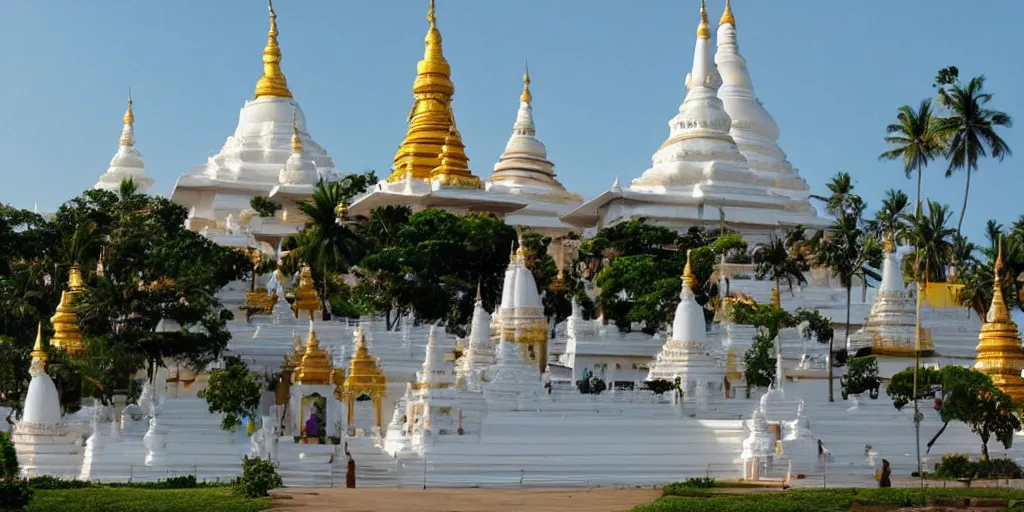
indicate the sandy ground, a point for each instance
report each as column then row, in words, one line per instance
column 459, row 500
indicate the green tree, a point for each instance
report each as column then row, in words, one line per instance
column 970, row 130
column 891, row 219
column 932, row 239
column 915, row 140
column 759, row 362
column 968, row 396
column 264, row 207
column 848, row 251
column 775, row 262
column 233, row 392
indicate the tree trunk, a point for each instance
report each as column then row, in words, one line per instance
column 967, row 191
column 984, row 446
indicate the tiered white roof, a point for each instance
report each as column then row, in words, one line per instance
column 523, row 169
column 699, row 175
column 753, row 128
column 687, row 354
column 436, row 372
column 127, row 161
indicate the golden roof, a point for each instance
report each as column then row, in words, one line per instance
column 526, row 97
column 315, row 366
column 306, row 297
column 430, row 117
column 999, row 345
column 727, row 17
column 703, row 29
column 296, row 142
column 453, row 171
column 272, row 83
column 688, row 278
column 66, row 334
column 38, row 353
column 363, row 374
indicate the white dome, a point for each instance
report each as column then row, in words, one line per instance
column 688, row 324
column 270, row 109
column 42, row 403
column 526, row 294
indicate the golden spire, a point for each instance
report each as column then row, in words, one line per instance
column 727, row 17
column 38, row 354
column 453, row 170
column 890, row 244
column 315, row 366
column 306, row 297
column 129, row 114
column 688, row 278
column 66, row 334
column 75, row 279
column 272, row 83
column 430, row 119
column 363, row 375
column 999, row 344
column 296, row 143
column 99, row 262
column 703, row 30
column 526, row 97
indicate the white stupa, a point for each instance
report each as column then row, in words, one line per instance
column 523, row 170
column 687, row 354
column 251, row 160
column 44, row 443
column 515, row 385
column 889, row 329
column 699, row 175
column 127, row 161
column 521, row 317
column 471, row 368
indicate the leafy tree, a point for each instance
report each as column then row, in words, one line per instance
column 557, row 302
column 848, row 251
column 891, row 218
column 759, row 361
column 775, row 262
column 968, row 396
column 233, row 392
column 861, row 375
column 264, row 207
column 932, row 239
column 970, row 129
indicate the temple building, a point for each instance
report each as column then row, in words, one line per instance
column 701, row 175
column 1000, row 355
column 127, row 161
column 269, row 149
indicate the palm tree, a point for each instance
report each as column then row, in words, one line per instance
column 915, row 139
column 774, row 262
column 842, row 197
column 891, row 218
column 971, row 130
column 848, row 251
column 933, row 242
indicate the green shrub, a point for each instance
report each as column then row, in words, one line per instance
column 50, row 483
column 15, row 495
column 699, row 483
column 955, row 466
column 997, row 468
column 8, row 458
column 258, row 477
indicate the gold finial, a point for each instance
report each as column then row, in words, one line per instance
column 997, row 312
column 453, row 171
column 526, row 97
column 129, row 114
column 430, row 117
column 74, row 279
column 273, row 82
column 315, row 366
column 727, row 17
column 703, row 30
column 688, row 278
column 296, row 143
column 38, row 354
column 890, row 244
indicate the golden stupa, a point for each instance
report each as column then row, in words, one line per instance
column 306, row 297
column 703, row 29
column 1000, row 355
column 727, row 17
column 272, row 83
column 66, row 334
column 315, row 366
column 430, row 119
column 453, row 171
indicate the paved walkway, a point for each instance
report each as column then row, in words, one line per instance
column 459, row 500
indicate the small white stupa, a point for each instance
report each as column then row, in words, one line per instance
column 515, row 385
column 44, row 444
column 471, row 368
column 127, row 161
column 435, row 405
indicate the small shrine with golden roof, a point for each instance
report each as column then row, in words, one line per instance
column 1000, row 355
column 66, row 334
column 365, row 377
column 314, row 410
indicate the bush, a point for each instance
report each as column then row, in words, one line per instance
column 699, row 483
column 955, row 466
column 258, row 477
column 685, row 488
column 861, row 376
column 51, row 483
column 15, row 495
column 8, row 458
column 997, row 468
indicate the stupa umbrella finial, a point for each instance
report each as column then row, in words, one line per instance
column 296, row 142
column 703, row 29
column 727, row 16
column 526, row 97
column 129, row 114
column 273, row 82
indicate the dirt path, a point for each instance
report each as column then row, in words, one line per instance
column 459, row 500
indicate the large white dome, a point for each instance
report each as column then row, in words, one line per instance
column 42, row 403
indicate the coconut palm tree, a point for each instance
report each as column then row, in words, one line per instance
column 848, row 251
column 891, row 218
column 971, row 131
column 841, row 197
column 915, row 140
column 933, row 242
column 774, row 262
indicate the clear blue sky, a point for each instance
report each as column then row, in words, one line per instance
column 608, row 75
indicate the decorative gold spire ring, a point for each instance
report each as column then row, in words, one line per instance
column 526, row 97
column 296, row 142
column 273, row 82
column 703, row 29
column 727, row 17
column 129, row 114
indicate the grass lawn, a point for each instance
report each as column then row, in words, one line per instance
column 113, row 499
column 816, row 500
